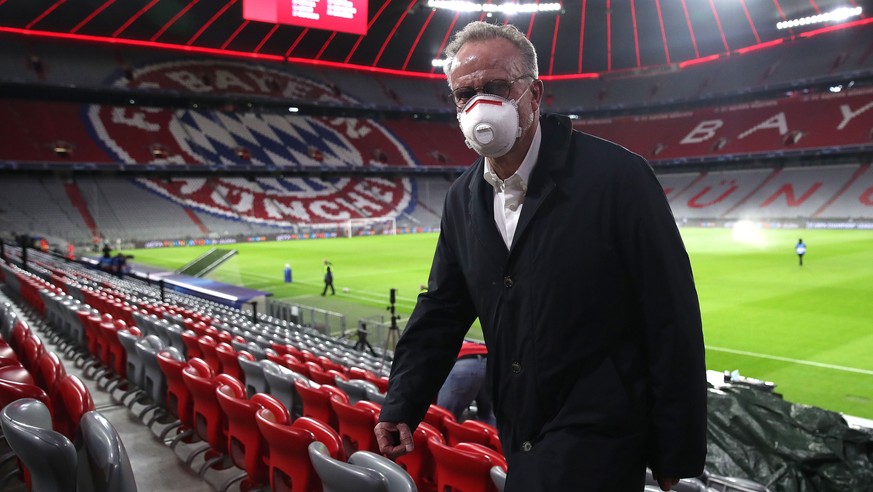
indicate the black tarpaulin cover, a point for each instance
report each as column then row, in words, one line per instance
column 786, row 446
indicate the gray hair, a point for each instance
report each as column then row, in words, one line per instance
column 483, row 31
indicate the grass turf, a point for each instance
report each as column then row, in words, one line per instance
column 809, row 329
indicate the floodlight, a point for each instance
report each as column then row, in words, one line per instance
column 836, row 15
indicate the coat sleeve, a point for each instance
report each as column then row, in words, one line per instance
column 430, row 343
column 660, row 272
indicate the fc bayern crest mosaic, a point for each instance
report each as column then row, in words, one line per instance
column 239, row 139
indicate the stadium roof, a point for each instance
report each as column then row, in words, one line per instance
column 582, row 38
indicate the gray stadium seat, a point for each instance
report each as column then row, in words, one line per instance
column 498, row 476
column 398, row 479
column 49, row 455
column 339, row 476
column 280, row 380
column 109, row 464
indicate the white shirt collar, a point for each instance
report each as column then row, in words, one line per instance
column 523, row 171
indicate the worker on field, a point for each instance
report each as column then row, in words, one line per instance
column 800, row 249
column 328, row 278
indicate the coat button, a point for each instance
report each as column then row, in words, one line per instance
column 516, row 368
column 526, row 446
column 507, row 281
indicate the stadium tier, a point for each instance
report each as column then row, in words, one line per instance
column 801, row 124
column 142, row 209
column 786, row 65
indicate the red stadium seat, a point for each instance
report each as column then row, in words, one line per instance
column 289, row 467
column 227, row 356
column 464, row 468
column 316, row 402
column 11, row 390
column 435, row 416
column 355, row 425
column 323, row 434
column 31, row 349
column 70, row 401
column 49, row 369
column 419, row 463
column 471, row 431
column 17, row 374
column 192, row 348
column 208, row 347
column 245, row 445
column 208, row 419
column 179, row 400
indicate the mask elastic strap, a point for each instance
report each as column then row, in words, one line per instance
column 515, row 104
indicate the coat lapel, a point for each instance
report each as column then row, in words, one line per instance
column 552, row 157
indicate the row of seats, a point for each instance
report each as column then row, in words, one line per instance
column 49, row 421
column 350, row 421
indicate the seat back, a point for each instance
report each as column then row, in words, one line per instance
column 419, row 463
column 77, row 316
column 245, row 444
column 174, row 338
column 16, row 383
column 316, row 402
column 461, row 469
column 208, row 419
column 375, row 395
column 208, row 345
column 31, row 349
column 253, row 376
column 498, row 476
column 49, row 456
column 20, row 332
column 436, row 415
column 355, row 426
column 49, row 369
column 280, row 380
column 178, row 399
column 117, row 352
column 356, row 389
column 108, row 462
column 154, row 381
column 228, row 358
column 323, row 434
column 339, row 476
column 192, row 348
column 289, row 467
column 397, row 478
column 100, row 339
column 70, row 401
column 464, row 432
column 135, row 371
column 109, row 345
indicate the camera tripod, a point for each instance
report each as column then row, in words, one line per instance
column 393, row 334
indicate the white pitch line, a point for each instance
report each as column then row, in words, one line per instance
column 787, row 359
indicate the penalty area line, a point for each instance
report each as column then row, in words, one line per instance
column 788, row 359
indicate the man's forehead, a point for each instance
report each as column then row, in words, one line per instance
column 477, row 56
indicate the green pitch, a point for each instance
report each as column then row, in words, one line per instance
column 808, row 329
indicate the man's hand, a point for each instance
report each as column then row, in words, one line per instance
column 666, row 483
column 394, row 438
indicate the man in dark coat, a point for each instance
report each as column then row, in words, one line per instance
column 566, row 250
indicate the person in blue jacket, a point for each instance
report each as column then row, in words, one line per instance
column 800, row 249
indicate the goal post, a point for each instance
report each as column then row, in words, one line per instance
column 371, row 226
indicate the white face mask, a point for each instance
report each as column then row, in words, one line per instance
column 490, row 124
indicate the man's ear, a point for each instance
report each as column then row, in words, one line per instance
column 537, row 89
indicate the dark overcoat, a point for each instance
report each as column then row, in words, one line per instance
column 591, row 319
